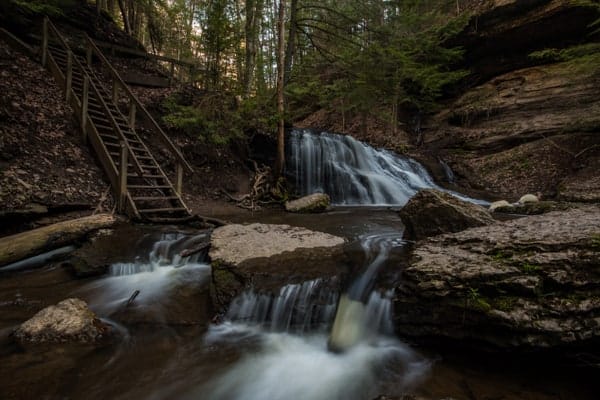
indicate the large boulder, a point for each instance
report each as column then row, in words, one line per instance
column 69, row 321
column 532, row 282
column 313, row 203
column 433, row 212
column 268, row 257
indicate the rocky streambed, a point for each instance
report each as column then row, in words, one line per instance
column 524, row 284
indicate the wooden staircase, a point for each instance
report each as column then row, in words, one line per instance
column 142, row 188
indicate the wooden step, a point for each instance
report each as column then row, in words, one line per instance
column 144, row 187
column 159, row 210
column 146, row 176
column 113, row 137
column 151, row 198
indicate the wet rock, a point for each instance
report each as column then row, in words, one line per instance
column 313, row 203
column 497, row 204
column 528, row 198
column 533, row 208
column 268, row 257
column 68, row 321
column 433, row 212
column 532, row 282
column 232, row 244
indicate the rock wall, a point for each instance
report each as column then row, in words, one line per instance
column 532, row 129
column 528, row 283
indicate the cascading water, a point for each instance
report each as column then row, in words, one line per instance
column 163, row 270
column 291, row 328
column 296, row 308
column 351, row 172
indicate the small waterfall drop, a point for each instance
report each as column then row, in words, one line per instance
column 160, row 271
column 290, row 332
column 362, row 312
column 296, row 308
column 351, row 172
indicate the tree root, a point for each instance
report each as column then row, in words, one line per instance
column 263, row 191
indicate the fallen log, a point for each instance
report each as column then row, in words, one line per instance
column 27, row 244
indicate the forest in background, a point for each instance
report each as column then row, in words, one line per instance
column 384, row 59
column 392, row 61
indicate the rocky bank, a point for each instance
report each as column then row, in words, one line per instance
column 527, row 283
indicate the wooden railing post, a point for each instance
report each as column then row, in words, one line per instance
column 84, row 106
column 45, row 42
column 122, row 176
column 115, row 92
column 69, row 75
column 88, row 55
column 179, row 179
column 131, row 114
column 172, row 74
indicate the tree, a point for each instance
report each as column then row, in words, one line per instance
column 280, row 164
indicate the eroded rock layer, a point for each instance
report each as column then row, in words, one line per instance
column 532, row 282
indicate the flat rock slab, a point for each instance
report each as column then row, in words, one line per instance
column 532, row 282
column 233, row 244
column 268, row 257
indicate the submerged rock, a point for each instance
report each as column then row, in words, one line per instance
column 433, row 212
column 532, row 282
column 69, row 321
column 313, row 203
column 268, row 257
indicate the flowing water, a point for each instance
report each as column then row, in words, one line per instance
column 270, row 346
column 351, row 172
column 300, row 341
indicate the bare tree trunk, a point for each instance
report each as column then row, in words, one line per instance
column 125, row 17
column 280, row 105
column 291, row 44
column 252, row 27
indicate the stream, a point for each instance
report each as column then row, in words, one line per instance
column 302, row 341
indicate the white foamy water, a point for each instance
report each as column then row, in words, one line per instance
column 164, row 270
column 354, row 173
column 300, row 367
column 287, row 365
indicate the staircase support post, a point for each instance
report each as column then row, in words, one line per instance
column 132, row 114
column 122, row 177
column 115, row 92
column 45, row 42
column 179, row 179
column 88, row 55
column 69, row 76
column 84, row 107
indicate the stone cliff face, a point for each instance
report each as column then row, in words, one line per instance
column 526, row 127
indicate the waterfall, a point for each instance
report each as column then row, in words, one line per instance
column 154, row 276
column 351, row 172
column 362, row 312
column 165, row 253
column 288, row 331
column 296, row 307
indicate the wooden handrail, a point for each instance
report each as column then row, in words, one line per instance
column 140, row 107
